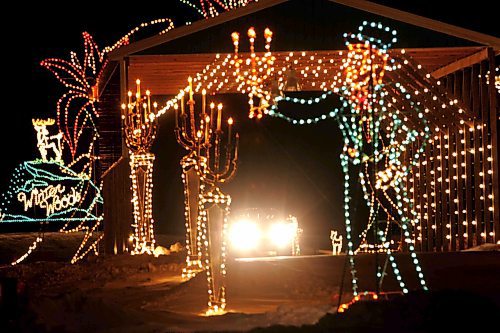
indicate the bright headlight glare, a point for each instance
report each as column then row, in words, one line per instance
column 244, row 235
column 282, row 234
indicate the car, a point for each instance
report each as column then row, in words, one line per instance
column 263, row 232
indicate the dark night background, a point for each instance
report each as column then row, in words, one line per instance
column 286, row 167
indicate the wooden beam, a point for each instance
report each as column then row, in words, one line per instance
column 461, row 63
column 200, row 25
column 367, row 6
column 123, row 95
column 422, row 22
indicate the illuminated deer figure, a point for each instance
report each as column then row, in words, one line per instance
column 46, row 142
column 219, row 164
column 140, row 126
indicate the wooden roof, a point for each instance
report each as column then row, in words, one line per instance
column 167, row 74
column 363, row 5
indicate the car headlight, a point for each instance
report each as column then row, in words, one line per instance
column 244, row 235
column 282, row 234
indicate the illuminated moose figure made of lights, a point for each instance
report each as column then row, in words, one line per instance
column 46, row 142
column 210, row 162
column 140, row 126
column 336, row 242
column 191, row 136
column 254, row 72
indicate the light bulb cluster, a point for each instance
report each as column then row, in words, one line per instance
column 125, row 39
column 141, row 174
column 416, row 141
column 31, row 248
column 140, row 128
column 368, row 112
column 46, row 142
column 210, row 161
column 76, row 121
column 212, row 245
column 37, row 185
column 367, row 295
column 190, row 176
column 251, row 73
column 212, row 8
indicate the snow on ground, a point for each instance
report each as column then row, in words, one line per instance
column 145, row 294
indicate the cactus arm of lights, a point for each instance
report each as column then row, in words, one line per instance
column 140, row 128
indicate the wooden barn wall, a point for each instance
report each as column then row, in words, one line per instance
column 109, row 123
column 113, row 170
column 455, row 186
column 117, row 196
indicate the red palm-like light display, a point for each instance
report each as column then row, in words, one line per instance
column 75, row 108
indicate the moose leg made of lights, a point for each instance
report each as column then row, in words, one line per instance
column 140, row 126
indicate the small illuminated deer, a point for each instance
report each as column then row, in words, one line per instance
column 46, row 142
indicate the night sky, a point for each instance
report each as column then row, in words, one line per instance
column 303, row 167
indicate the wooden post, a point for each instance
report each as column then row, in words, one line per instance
column 493, row 120
column 416, row 197
column 466, row 91
column 468, row 186
column 478, row 209
column 485, row 177
column 123, row 97
column 423, row 199
column 444, row 191
column 457, row 89
column 437, row 192
column 476, row 137
column 461, row 187
column 452, row 187
column 429, row 198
